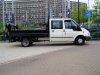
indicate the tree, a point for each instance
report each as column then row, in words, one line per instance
column 96, row 14
column 74, row 14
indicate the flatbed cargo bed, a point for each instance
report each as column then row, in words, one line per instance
column 23, row 32
column 17, row 35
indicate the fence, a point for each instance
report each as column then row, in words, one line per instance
column 1, row 37
column 95, row 33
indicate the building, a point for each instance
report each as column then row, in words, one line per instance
column 37, row 11
column 5, row 11
column 74, row 5
column 58, row 8
column 31, row 11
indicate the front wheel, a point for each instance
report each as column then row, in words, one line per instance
column 80, row 40
column 25, row 42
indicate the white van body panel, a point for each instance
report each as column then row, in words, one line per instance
column 64, row 34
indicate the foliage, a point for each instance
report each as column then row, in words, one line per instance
column 74, row 15
column 0, row 31
column 96, row 16
column 96, row 35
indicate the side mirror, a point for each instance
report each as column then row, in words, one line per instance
column 82, row 25
column 79, row 28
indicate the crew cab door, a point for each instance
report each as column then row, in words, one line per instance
column 71, row 30
column 56, row 30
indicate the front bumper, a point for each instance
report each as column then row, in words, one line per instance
column 88, row 38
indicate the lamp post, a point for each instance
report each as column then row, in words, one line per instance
column 3, row 16
column 48, row 11
column 97, row 12
column 69, row 14
column 26, row 15
column 88, row 18
column 78, row 12
column 13, row 18
column 7, row 11
column 4, row 33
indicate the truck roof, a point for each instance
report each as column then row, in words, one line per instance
column 60, row 19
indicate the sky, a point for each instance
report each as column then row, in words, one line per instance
column 91, row 2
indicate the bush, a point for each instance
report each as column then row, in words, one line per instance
column 0, row 31
column 0, row 38
column 96, row 35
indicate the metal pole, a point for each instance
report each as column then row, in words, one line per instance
column 48, row 14
column 15, row 14
column 26, row 16
column 65, row 9
column 13, row 18
column 6, row 6
column 6, row 11
column 3, row 17
column 78, row 12
column 12, row 6
column 9, row 13
column 69, row 9
column 88, row 18
column 48, row 10
column 97, row 12
column 4, row 33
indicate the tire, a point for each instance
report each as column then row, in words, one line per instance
column 31, row 43
column 80, row 40
column 25, row 42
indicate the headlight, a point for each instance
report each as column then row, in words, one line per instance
column 89, row 34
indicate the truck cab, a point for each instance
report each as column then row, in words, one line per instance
column 66, row 29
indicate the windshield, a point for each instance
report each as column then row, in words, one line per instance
column 75, row 22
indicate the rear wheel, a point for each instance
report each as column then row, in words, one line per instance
column 31, row 42
column 25, row 42
column 80, row 40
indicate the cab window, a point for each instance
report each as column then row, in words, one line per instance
column 70, row 24
column 67, row 24
column 74, row 25
column 57, row 24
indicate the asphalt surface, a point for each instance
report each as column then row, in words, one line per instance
column 78, row 60
column 10, row 52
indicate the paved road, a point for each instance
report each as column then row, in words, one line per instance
column 13, row 51
column 78, row 60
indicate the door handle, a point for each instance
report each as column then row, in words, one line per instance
column 52, row 30
column 63, row 30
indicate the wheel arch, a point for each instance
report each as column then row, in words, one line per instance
column 79, row 36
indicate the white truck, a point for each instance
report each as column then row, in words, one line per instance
column 59, row 30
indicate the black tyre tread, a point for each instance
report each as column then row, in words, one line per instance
column 76, row 40
column 28, row 44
